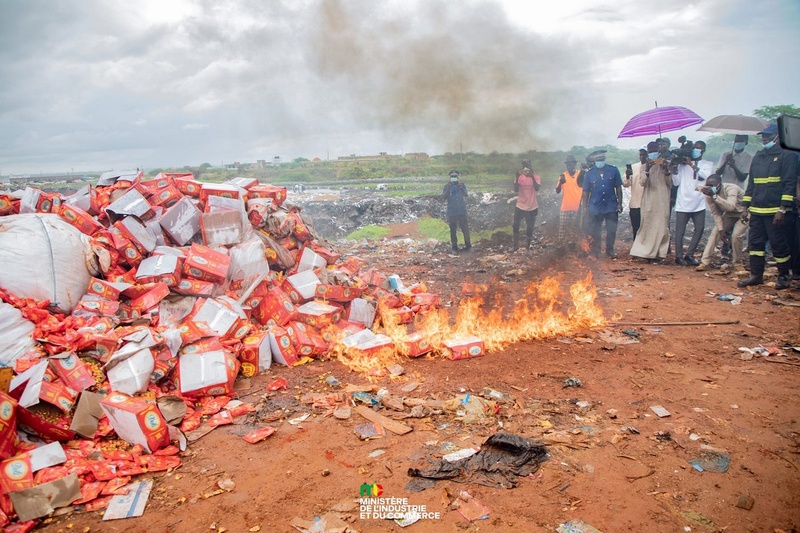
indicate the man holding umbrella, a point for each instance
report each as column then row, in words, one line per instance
column 734, row 165
column 769, row 196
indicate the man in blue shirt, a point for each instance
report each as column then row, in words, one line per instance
column 602, row 200
column 455, row 193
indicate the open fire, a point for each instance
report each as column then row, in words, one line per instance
column 540, row 313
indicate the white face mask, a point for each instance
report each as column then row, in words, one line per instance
column 453, row 179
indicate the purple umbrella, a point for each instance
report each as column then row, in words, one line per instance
column 658, row 120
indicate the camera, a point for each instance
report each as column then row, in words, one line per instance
column 679, row 154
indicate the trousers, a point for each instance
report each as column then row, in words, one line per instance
column 456, row 222
column 762, row 230
column 698, row 219
column 596, row 229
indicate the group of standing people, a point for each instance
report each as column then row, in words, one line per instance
column 767, row 204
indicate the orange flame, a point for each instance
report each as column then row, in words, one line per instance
column 537, row 314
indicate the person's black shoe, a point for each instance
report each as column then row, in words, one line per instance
column 691, row 260
column 680, row 261
column 752, row 280
column 455, row 249
column 467, row 248
column 795, row 277
column 782, row 282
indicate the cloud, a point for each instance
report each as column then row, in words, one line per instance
column 110, row 83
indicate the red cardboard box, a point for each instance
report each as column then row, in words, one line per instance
column 80, row 219
column 159, row 182
column 166, row 197
column 209, row 373
column 33, row 421
column 302, row 339
column 426, row 301
column 206, row 344
column 221, row 319
column 387, row 298
column 318, row 314
column 256, row 353
column 337, row 293
column 137, row 233
column 218, row 189
column 463, row 348
column 330, row 256
column 136, row 420
column 206, row 264
column 195, row 287
column 8, row 425
column 278, row 194
column 158, row 269
column 243, row 183
column 16, row 474
column 380, row 346
column 416, row 345
column 155, row 294
column 73, row 372
column 283, row 351
column 97, row 305
column 275, row 308
column 189, row 186
column 126, row 248
column 404, row 315
column 58, row 395
column 106, row 289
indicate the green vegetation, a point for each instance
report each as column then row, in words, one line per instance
column 368, row 232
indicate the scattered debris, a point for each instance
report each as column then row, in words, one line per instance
column 572, row 382
column 711, row 461
column 577, row 526
column 659, row 411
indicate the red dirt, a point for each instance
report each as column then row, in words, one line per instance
column 613, row 480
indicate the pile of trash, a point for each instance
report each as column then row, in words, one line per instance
column 129, row 308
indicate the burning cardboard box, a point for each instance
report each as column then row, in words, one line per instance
column 463, row 347
column 361, row 311
column 305, row 339
column 136, row 421
column 416, row 345
column 380, row 347
column 210, row 373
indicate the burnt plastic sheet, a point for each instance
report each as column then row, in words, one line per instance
column 503, row 458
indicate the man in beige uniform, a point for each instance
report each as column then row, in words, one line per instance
column 724, row 200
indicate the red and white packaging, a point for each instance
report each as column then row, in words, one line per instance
column 209, row 373
column 463, row 347
column 136, row 421
column 206, row 264
column 181, row 221
column 275, row 308
column 283, row 351
column 256, row 353
column 318, row 314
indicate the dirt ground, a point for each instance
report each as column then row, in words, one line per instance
column 610, row 477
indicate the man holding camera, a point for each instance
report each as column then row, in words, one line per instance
column 689, row 174
column 725, row 203
column 769, row 198
column 634, row 175
column 602, row 198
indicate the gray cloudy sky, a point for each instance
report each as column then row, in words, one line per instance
column 99, row 84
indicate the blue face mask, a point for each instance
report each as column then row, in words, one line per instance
column 769, row 145
column 714, row 190
column 738, row 146
column 599, row 164
column 652, row 156
column 696, row 153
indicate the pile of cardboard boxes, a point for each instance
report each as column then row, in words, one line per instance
column 193, row 285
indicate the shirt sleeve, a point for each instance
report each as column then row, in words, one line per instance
column 617, row 178
column 789, row 179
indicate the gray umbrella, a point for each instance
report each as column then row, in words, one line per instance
column 734, row 124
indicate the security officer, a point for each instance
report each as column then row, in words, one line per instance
column 769, row 196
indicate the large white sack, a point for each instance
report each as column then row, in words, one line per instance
column 43, row 257
column 16, row 338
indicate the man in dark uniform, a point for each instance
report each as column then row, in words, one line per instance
column 769, row 197
column 456, row 195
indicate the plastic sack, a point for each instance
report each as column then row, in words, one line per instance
column 45, row 258
column 16, row 339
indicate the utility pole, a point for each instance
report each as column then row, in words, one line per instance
column 461, row 159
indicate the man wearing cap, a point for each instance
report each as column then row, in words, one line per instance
column 652, row 240
column 633, row 180
column 769, row 197
column 455, row 193
column 569, row 186
column 602, row 199
column 733, row 167
column 526, row 185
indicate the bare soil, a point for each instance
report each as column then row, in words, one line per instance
column 611, row 478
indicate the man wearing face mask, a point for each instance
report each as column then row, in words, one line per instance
column 734, row 165
column 652, row 240
column 633, row 180
column 527, row 207
column 769, row 197
column 690, row 176
column 725, row 203
column 602, row 198
column 456, row 195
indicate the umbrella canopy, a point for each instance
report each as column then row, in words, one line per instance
column 734, row 124
column 658, row 120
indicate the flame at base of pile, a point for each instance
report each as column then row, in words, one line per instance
column 538, row 314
